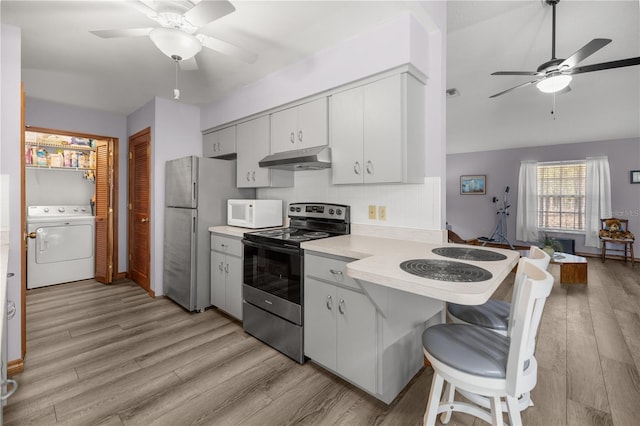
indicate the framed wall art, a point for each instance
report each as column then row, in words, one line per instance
column 634, row 176
column 473, row 185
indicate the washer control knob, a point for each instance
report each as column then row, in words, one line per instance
column 61, row 209
column 83, row 209
column 46, row 209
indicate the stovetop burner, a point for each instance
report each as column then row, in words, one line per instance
column 316, row 234
column 308, row 221
column 445, row 270
column 463, row 253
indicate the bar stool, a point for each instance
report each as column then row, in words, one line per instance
column 477, row 361
column 494, row 314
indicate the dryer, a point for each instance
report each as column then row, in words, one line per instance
column 62, row 244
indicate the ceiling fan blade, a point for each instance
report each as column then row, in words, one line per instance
column 514, row 73
column 604, row 66
column 145, row 7
column 587, row 50
column 189, row 64
column 207, row 11
column 131, row 32
column 514, row 88
column 226, row 48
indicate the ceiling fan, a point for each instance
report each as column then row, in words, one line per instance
column 555, row 75
column 177, row 35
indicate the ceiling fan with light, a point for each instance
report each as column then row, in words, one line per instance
column 177, row 35
column 555, row 75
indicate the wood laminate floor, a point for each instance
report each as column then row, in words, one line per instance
column 111, row 355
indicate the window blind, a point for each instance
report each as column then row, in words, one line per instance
column 561, row 195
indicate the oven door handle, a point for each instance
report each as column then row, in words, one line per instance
column 292, row 250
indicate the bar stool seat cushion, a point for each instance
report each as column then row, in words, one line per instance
column 468, row 348
column 493, row 314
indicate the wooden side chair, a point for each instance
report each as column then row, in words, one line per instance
column 615, row 232
column 475, row 361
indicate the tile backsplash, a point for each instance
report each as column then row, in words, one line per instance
column 407, row 205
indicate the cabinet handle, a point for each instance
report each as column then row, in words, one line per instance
column 369, row 167
column 218, row 146
column 253, row 176
column 341, row 306
column 226, row 268
column 334, row 272
column 224, row 246
column 356, row 167
column 248, row 176
column 300, row 135
column 329, row 302
column 220, row 266
column 292, row 138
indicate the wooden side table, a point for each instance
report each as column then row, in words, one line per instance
column 573, row 269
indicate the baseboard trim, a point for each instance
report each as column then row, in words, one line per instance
column 120, row 276
column 14, row 367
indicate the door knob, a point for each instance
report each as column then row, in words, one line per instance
column 31, row 235
column 144, row 220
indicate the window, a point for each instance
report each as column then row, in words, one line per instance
column 561, row 197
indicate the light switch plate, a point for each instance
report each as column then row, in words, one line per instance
column 372, row 212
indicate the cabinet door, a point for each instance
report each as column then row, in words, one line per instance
column 218, row 280
column 312, row 124
column 320, row 309
column 234, row 286
column 284, row 130
column 210, row 144
column 356, row 338
column 226, row 141
column 253, row 145
column 347, row 136
column 383, row 131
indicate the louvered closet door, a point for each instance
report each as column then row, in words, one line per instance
column 104, row 212
column 139, row 207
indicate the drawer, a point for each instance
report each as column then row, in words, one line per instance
column 228, row 245
column 328, row 269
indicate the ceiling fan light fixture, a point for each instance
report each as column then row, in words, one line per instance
column 554, row 84
column 174, row 42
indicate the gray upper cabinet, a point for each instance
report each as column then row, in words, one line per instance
column 220, row 144
column 377, row 132
column 303, row 126
column 252, row 139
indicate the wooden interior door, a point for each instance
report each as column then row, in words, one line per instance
column 139, row 208
column 104, row 212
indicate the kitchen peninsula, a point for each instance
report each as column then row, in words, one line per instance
column 364, row 315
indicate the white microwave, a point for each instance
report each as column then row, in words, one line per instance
column 254, row 213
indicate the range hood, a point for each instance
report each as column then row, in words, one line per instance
column 318, row 157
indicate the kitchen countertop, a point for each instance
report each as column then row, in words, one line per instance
column 378, row 261
column 236, row 231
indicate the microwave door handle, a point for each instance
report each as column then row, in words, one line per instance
column 292, row 250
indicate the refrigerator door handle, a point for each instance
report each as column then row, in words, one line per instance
column 194, row 191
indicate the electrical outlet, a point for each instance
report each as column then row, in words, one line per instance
column 382, row 212
column 372, row 212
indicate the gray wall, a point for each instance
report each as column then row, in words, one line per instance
column 474, row 215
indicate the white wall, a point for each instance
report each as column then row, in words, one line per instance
column 175, row 133
column 399, row 41
column 10, row 152
column 50, row 187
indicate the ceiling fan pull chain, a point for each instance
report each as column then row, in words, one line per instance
column 176, row 91
column 553, row 108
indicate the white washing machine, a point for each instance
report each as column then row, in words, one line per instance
column 63, row 249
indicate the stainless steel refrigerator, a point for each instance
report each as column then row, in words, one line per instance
column 196, row 194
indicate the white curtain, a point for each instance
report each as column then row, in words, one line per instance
column 598, row 198
column 527, row 213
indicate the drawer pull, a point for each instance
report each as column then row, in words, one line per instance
column 334, row 272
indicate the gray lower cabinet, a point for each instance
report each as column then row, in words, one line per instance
column 368, row 334
column 226, row 274
column 340, row 323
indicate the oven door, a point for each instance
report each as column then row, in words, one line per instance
column 273, row 279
